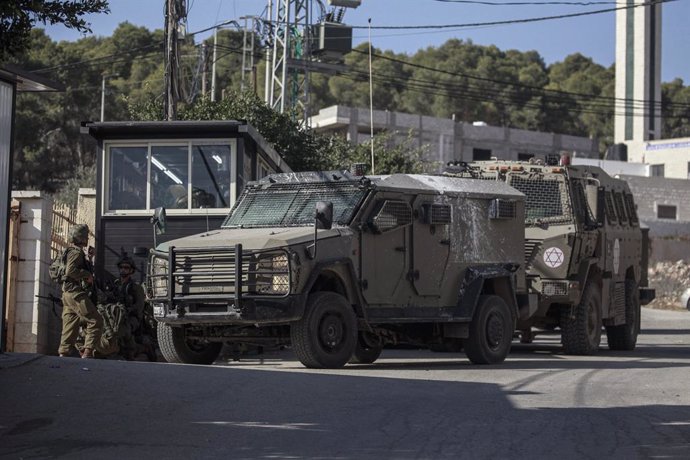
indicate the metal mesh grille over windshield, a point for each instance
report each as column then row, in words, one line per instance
column 291, row 205
column 546, row 199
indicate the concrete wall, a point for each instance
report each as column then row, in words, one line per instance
column 37, row 328
column 670, row 238
column 447, row 140
column 615, row 168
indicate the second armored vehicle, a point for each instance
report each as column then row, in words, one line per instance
column 585, row 253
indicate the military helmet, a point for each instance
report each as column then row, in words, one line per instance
column 125, row 259
column 79, row 234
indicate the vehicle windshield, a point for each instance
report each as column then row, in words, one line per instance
column 293, row 205
column 546, row 198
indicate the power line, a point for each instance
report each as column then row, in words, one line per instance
column 477, row 2
column 515, row 21
column 517, row 84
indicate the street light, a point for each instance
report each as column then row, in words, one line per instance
column 112, row 75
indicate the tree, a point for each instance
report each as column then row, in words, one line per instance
column 18, row 17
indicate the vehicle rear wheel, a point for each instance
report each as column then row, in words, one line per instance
column 581, row 331
column 175, row 348
column 624, row 336
column 326, row 335
column 491, row 331
column 367, row 350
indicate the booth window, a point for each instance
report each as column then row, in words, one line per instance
column 187, row 176
column 128, row 167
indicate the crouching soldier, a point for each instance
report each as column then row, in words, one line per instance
column 133, row 341
column 78, row 308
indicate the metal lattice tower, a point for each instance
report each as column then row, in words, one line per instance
column 287, row 72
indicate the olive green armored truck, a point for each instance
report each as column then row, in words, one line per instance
column 338, row 266
column 585, row 253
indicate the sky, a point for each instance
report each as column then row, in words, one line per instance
column 592, row 35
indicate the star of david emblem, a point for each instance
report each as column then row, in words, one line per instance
column 553, row 257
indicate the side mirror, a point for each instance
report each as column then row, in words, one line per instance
column 158, row 221
column 324, row 215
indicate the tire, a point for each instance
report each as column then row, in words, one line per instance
column 175, row 349
column 326, row 335
column 581, row 334
column 624, row 336
column 365, row 351
column 491, row 331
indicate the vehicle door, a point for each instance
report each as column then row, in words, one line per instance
column 384, row 250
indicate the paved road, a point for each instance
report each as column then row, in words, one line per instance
column 410, row 404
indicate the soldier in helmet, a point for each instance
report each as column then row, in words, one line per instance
column 78, row 308
column 132, row 295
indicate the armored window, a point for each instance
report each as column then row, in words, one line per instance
column 610, row 210
column 390, row 215
column 581, row 206
column 293, row 204
column 502, row 209
column 666, row 211
column 620, row 208
column 436, row 214
column 630, row 208
column 546, row 198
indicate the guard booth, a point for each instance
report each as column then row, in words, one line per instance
column 194, row 169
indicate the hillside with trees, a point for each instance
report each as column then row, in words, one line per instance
column 457, row 79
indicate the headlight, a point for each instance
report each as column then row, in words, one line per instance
column 159, row 277
column 273, row 275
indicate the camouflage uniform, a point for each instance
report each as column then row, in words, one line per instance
column 132, row 295
column 77, row 307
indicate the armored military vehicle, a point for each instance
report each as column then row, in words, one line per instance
column 585, row 254
column 339, row 265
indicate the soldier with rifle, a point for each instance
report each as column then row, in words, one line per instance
column 78, row 307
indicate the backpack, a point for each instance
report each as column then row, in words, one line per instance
column 58, row 266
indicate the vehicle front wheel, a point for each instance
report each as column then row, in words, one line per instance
column 581, row 330
column 175, row 347
column 491, row 331
column 624, row 337
column 326, row 335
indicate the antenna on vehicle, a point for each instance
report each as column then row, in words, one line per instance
column 371, row 104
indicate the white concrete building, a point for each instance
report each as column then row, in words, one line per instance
column 449, row 140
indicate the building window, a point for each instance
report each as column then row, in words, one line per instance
column 179, row 175
column 481, row 154
column 666, row 211
column 688, row 169
column 525, row 156
column 657, row 170
column 263, row 169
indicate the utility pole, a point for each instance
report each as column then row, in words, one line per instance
column 171, row 64
column 104, row 77
column 204, row 66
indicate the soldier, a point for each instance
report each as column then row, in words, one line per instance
column 78, row 309
column 132, row 295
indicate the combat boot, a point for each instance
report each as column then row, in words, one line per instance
column 87, row 353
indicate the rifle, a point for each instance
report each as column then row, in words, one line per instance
column 54, row 301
